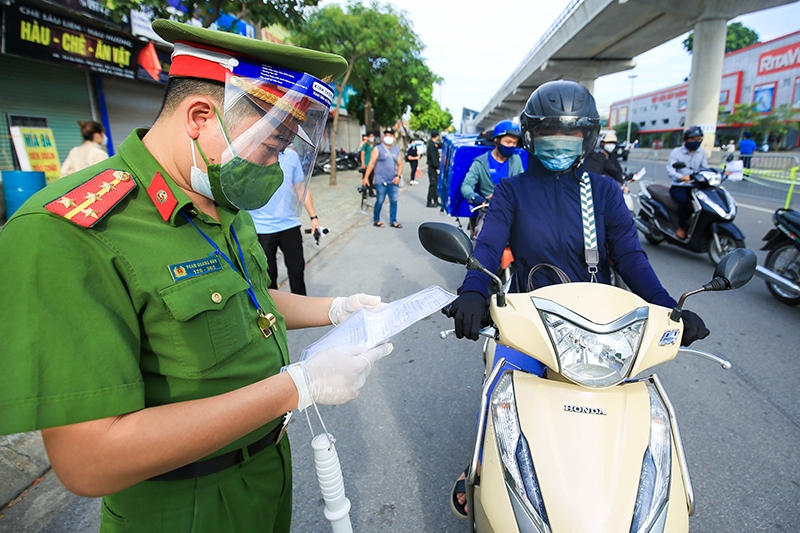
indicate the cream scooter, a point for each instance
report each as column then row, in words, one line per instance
column 593, row 446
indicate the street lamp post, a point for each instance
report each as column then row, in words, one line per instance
column 632, row 77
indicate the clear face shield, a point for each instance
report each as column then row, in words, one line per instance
column 273, row 120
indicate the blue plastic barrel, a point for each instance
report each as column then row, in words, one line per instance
column 18, row 186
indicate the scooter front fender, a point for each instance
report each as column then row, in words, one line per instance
column 728, row 228
column 587, row 448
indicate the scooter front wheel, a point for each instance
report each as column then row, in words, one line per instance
column 721, row 245
column 783, row 260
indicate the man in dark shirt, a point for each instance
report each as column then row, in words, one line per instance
column 433, row 169
column 604, row 160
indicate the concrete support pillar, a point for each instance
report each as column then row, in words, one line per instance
column 588, row 83
column 708, row 53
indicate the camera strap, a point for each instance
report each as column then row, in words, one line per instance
column 592, row 255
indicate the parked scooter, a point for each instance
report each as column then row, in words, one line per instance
column 711, row 228
column 781, row 269
column 589, row 446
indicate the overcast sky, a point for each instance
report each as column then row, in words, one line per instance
column 476, row 50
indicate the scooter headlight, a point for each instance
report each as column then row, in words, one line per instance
column 518, row 471
column 593, row 355
column 650, row 511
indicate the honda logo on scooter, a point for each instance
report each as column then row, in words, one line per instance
column 585, row 410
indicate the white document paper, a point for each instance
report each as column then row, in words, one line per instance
column 735, row 170
column 368, row 328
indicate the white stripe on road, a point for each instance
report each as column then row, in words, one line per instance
column 756, row 208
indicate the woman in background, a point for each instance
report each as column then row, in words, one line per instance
column 90, row 152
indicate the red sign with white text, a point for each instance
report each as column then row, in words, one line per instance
column 779, row 59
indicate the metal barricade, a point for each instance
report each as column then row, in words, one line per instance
column 769, row 176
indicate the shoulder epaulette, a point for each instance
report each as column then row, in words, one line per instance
column 88, row 203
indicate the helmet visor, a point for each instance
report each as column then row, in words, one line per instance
column 270, row 111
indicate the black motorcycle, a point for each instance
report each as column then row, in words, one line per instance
column 711, row 228
column 781, row 269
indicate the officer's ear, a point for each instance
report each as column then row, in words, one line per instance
column 199, row 115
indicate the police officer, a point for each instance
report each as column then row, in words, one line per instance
column 138, row 330
column 539, row 214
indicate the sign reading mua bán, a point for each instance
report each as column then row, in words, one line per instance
column 41, row 34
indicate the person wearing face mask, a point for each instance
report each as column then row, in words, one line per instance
column 604, row 161
column 140, row 334
column 489, row 168
column 540, row 214
column 694, row 157
column 92, row 151
column 387, row 164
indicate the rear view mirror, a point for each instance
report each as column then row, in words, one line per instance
column 736, row 269
column 678, row 165
column 445, row 242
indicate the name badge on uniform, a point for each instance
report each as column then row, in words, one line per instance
column 198, row 267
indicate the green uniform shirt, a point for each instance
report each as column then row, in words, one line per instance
column 94, row 325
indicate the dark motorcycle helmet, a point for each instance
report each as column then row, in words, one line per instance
column 558, row 108
column 692, row 131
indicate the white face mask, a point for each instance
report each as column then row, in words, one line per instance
column 104, row 140
column 609, row 147
column 388, row 140
column 199, row 179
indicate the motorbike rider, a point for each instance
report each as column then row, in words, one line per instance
column 560, row 125
column 604, row 159
column 694, row 157
column 489, row 168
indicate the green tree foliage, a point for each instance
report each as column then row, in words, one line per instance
column 775, row 125
column 289, row 13
column 739, row 36
column 622, row 130
column 743, row 115
column 429, row 115
column 383, row 54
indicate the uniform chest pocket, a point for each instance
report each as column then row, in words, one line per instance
column 211, row 320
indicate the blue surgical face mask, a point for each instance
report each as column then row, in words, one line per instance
column 558, row 152
column 506, row 151
column 692, row 145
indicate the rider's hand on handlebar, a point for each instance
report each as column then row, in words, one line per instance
column 476, row 199
column 693, row 328
column 468, row 311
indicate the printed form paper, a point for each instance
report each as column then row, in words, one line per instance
column 370, row 327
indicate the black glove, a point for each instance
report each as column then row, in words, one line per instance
column 476, row 199
column 468, row 311
column 693, row 328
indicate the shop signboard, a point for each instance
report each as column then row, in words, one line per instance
column 36, row 150
column 38, row 33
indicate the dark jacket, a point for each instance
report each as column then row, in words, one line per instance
column 432, row 154
column 598, row 163
column 538, row 214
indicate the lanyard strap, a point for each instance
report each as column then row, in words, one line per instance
column 250, row 291
column 589, row 230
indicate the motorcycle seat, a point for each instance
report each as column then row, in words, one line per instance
column 790, row 217
column 660, row 194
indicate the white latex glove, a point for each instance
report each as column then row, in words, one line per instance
column 336, row 375
column 342, row 307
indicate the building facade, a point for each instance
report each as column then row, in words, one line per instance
column 765, row 74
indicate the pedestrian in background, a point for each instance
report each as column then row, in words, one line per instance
column 746, row 148
column 387, row 165
column 366, row 152
column 432, row 154
column 93, row 149
column 413, row 157
column 278, row 225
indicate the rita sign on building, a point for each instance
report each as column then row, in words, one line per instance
column 40, row 34
column 779, row 59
